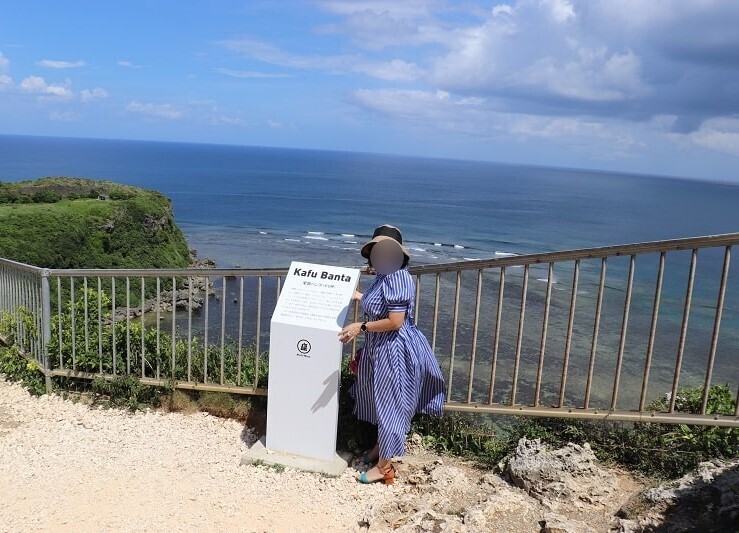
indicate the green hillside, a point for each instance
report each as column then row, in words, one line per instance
column 80, row 223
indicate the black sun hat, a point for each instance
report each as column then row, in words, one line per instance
column 384, row 233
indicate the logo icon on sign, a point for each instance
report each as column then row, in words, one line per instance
column 303, row 347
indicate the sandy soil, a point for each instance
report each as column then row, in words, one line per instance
column 66, row 467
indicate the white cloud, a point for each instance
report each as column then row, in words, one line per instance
column 561, row 11
column 33, row 84
column 434, row 110
column 479, row 118
column 554, row 57
column 128, row 64
column 720, row 134
column 269, row 53
column 58, row 90
column 230, row 121
column 556, row 127
column 63, row 116
column 392, row 70
column 378, row 24
column 594, row 75
column 279, row 125
column 538, row 51
column 4, row 63
column 51, row 63
column 638, row 14
column 167, row 111
column 5, row 81
column 405, row 9
column 249, row 74
column 395, row 70
column 37, row 85
column 88, row 95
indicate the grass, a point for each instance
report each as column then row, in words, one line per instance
column 62, row 223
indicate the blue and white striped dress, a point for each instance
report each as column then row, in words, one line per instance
column 398, row 374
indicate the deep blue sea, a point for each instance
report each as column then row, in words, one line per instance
column 265, row 207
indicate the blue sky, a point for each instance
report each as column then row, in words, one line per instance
column 628, row 85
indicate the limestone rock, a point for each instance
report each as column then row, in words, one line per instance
column 436, row 496
column 570, row 475
column 556, row 523
column 704, row 500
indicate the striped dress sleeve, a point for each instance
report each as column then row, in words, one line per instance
column 398, row 290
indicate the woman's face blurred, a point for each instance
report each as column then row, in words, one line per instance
column 386, row 257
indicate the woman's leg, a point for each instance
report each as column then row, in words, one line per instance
column 373, row 454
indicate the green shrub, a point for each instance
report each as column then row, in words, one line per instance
column 17, row 367
column 46, row 197
column 658, row 450
column 13, row 363
column 125, row 391
column 189, row 363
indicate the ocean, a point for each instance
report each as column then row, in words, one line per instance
column 264, row 207
column 256, row 207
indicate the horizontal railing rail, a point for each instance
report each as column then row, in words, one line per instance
column 727, row 239
column 614, row 332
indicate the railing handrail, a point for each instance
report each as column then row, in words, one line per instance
column 166, row 272
column 691, row 243
column 23, row 266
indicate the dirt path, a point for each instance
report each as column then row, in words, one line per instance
column 66, row 467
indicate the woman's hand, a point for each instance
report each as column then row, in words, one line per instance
column 357, row 295
column 350, row 332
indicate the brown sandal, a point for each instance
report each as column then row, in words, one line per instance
column 388, row 477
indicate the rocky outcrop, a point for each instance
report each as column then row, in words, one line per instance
column 180, row 298
column 555, row 491
column 542, row 490
column 705, row 500
column 570, row 476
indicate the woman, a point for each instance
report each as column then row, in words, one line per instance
column 398, row 374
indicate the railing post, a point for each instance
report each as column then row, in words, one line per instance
column 46, row 326
column 716, row 328
column 624, row 328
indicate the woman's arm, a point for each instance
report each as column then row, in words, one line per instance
column 393, row 321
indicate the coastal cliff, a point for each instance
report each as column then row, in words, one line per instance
column 80, row 223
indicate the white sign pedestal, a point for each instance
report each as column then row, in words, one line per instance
column 305, row 368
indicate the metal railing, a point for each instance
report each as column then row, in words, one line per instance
column 511, row 337
column 497, row 271
column 24, row 295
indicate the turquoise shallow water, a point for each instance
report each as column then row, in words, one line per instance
column 264, row 207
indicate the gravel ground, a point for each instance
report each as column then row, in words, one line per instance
column 66, row 467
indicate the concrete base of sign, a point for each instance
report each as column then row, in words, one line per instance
column 259, row 454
